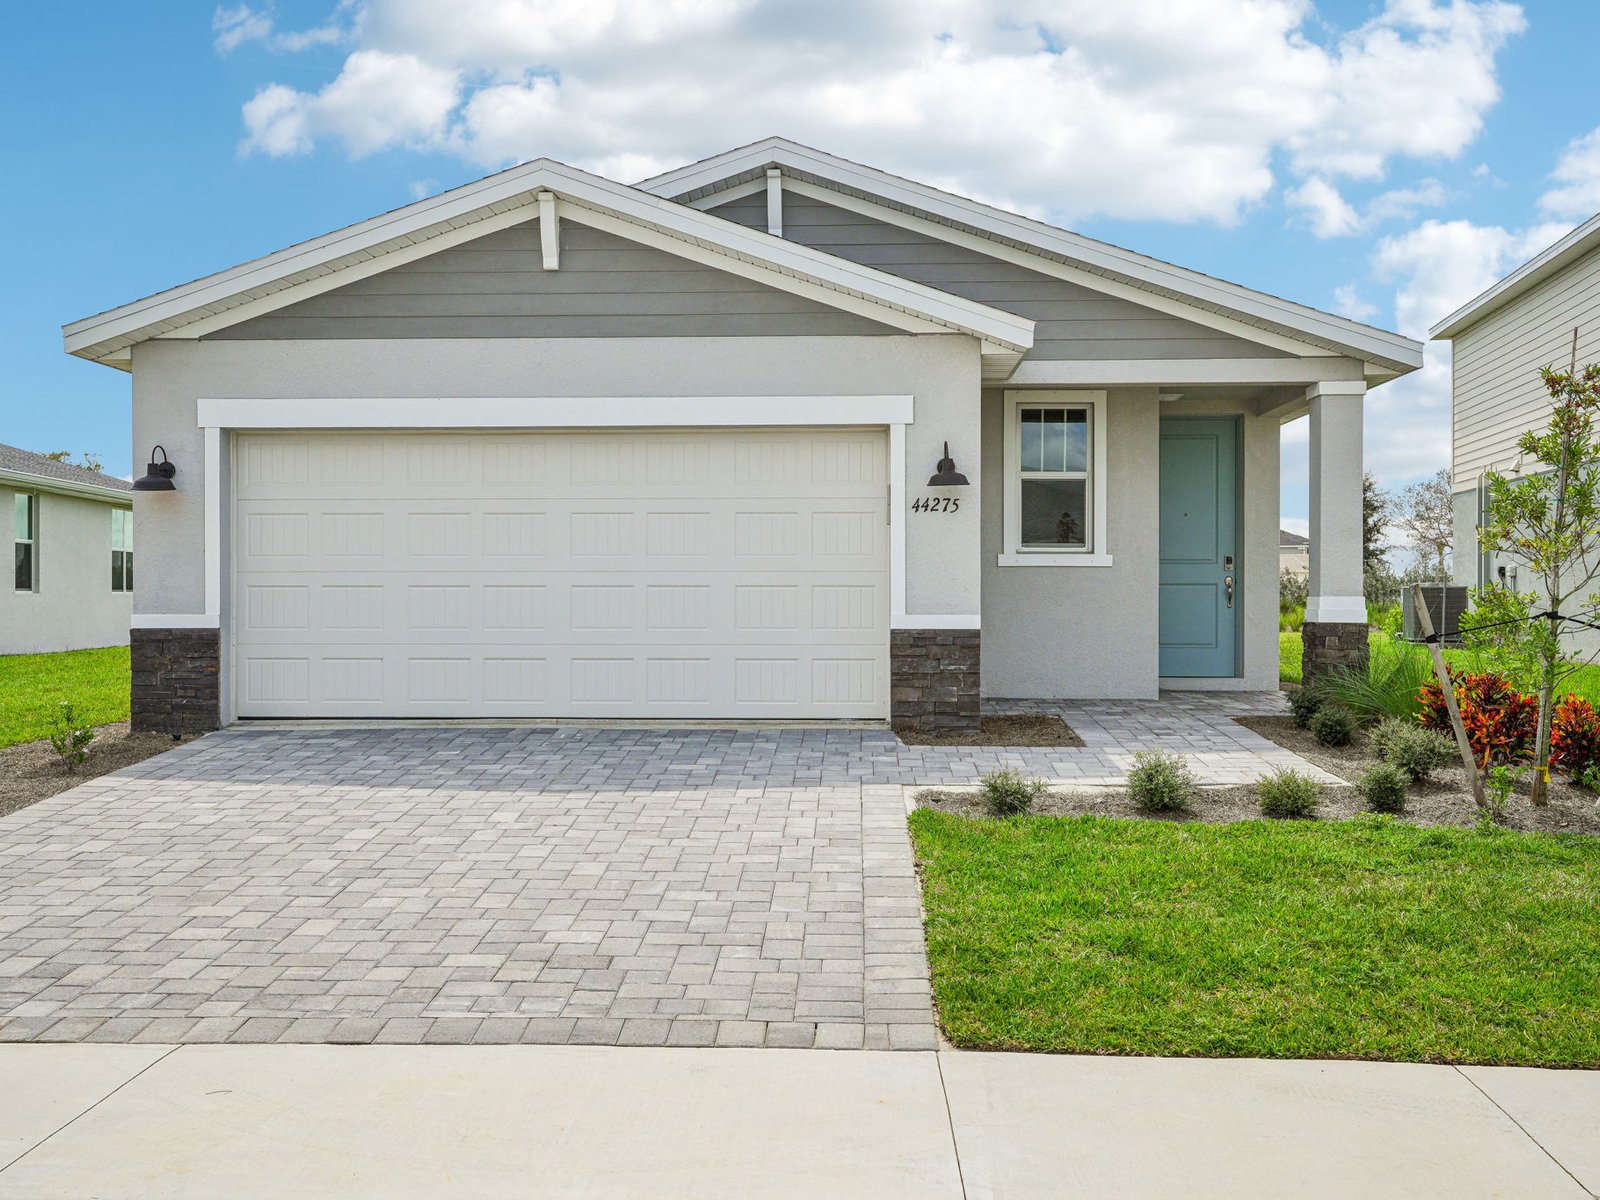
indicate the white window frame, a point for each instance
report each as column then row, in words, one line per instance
column 125, row 548
column 32, row 541
column 1012, row 552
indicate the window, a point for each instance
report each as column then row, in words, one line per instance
column 26, row 534
column 1055, row 479
column 121, row 550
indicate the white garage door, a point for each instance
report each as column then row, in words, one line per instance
column 597, row 574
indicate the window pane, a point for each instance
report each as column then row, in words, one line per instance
column 127, row 570
column 1075, row 436
column 1054, row 441
column 116, row 571
column 1032, row 439
column 1055, row 513
column 116, row 529
column 24, row 516
column 24, row 575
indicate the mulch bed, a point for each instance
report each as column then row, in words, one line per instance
column 1022, row 730
column 32, row 772
column 1443, row 800
column 1446, row 798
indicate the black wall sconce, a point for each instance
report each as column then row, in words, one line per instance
column 159, row 477
column 947, row 475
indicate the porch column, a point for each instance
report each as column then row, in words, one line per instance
column 1335, row 633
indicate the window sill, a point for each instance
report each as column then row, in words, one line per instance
column 1017, row 558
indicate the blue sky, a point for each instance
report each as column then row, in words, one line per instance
column 1386, row 158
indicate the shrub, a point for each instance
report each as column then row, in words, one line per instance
column 1292, row 618
column 1383, row 788
column 1160, row 782
column 1500, row 721
column 1009, row 793
column 70, row 736
column 1414, row 750
column 1333, row 725
column 1303, row 705
column 1589, row 778
column 1499, row 784
column 1387, row 688
column 1575, row 736
column 1287, row 793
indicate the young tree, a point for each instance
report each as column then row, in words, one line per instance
column 1379, row 583
column 1425, row 515
column 1549, row 520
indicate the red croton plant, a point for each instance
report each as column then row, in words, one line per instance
column 1502, row 722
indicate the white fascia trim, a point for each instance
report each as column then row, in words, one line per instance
column 1540, row 267
column 22, row 481
column 1337, row 610
column 509, row 198
column 935, row 621
column 552, row 412
column 1146, row 372
column 1371, row 342
column 176, row 621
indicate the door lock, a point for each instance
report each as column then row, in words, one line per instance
column 1227, row 563
column 1227, row 583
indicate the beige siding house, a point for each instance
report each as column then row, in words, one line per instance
column 773, row 436
column 69, row 582
column 1499, row 341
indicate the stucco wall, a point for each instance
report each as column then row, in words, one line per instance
column 940, row 372
column 1065, row 632
column 74, row 607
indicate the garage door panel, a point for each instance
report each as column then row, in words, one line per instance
column 629, row 574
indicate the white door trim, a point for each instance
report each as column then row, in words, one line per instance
column 217, row 416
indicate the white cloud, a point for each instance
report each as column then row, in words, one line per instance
column 1141, row 109
column 235, row 26
column 1328, row 213
column 1347, row 301
column 378, row 100
column 1577, row 176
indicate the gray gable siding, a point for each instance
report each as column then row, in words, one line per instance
column 1072, row 322
column 496, row 287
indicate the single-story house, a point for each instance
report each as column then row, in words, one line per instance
column 71, row 533
column 1294, row 553
column 1498, row 342
column 772, row 436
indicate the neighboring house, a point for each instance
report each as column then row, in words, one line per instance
column 551, row 446
column 71, row 533
column 1498, row 343
column 1294, row 552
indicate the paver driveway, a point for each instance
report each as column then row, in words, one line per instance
column 570, row 884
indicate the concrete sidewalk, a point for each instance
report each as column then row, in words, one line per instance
column 553, row 1121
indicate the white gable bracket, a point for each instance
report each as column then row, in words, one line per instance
column 549, row 231
column 774, row 202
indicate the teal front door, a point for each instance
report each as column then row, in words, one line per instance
column 1200, row 581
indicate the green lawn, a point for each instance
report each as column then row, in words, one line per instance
column 95, row 682
column 1364, row 939
column 1585, row 681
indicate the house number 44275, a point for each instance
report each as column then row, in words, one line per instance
column 937, row 504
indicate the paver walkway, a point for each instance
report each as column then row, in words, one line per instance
column 749, row 887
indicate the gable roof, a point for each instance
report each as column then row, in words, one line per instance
column 18, row 466
column 1581, row 241
column 1289, row 538
column 512, row 197
column 1310, row 327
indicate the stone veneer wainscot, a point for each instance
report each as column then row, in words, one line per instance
column 176, row 680
column 933, row 679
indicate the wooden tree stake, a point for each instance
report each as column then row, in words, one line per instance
column 1442, row 673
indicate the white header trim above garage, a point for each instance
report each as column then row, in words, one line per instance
column 512, row 197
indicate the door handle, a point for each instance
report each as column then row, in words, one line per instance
column 1227, row 584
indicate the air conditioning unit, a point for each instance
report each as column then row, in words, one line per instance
column 1446, row 602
